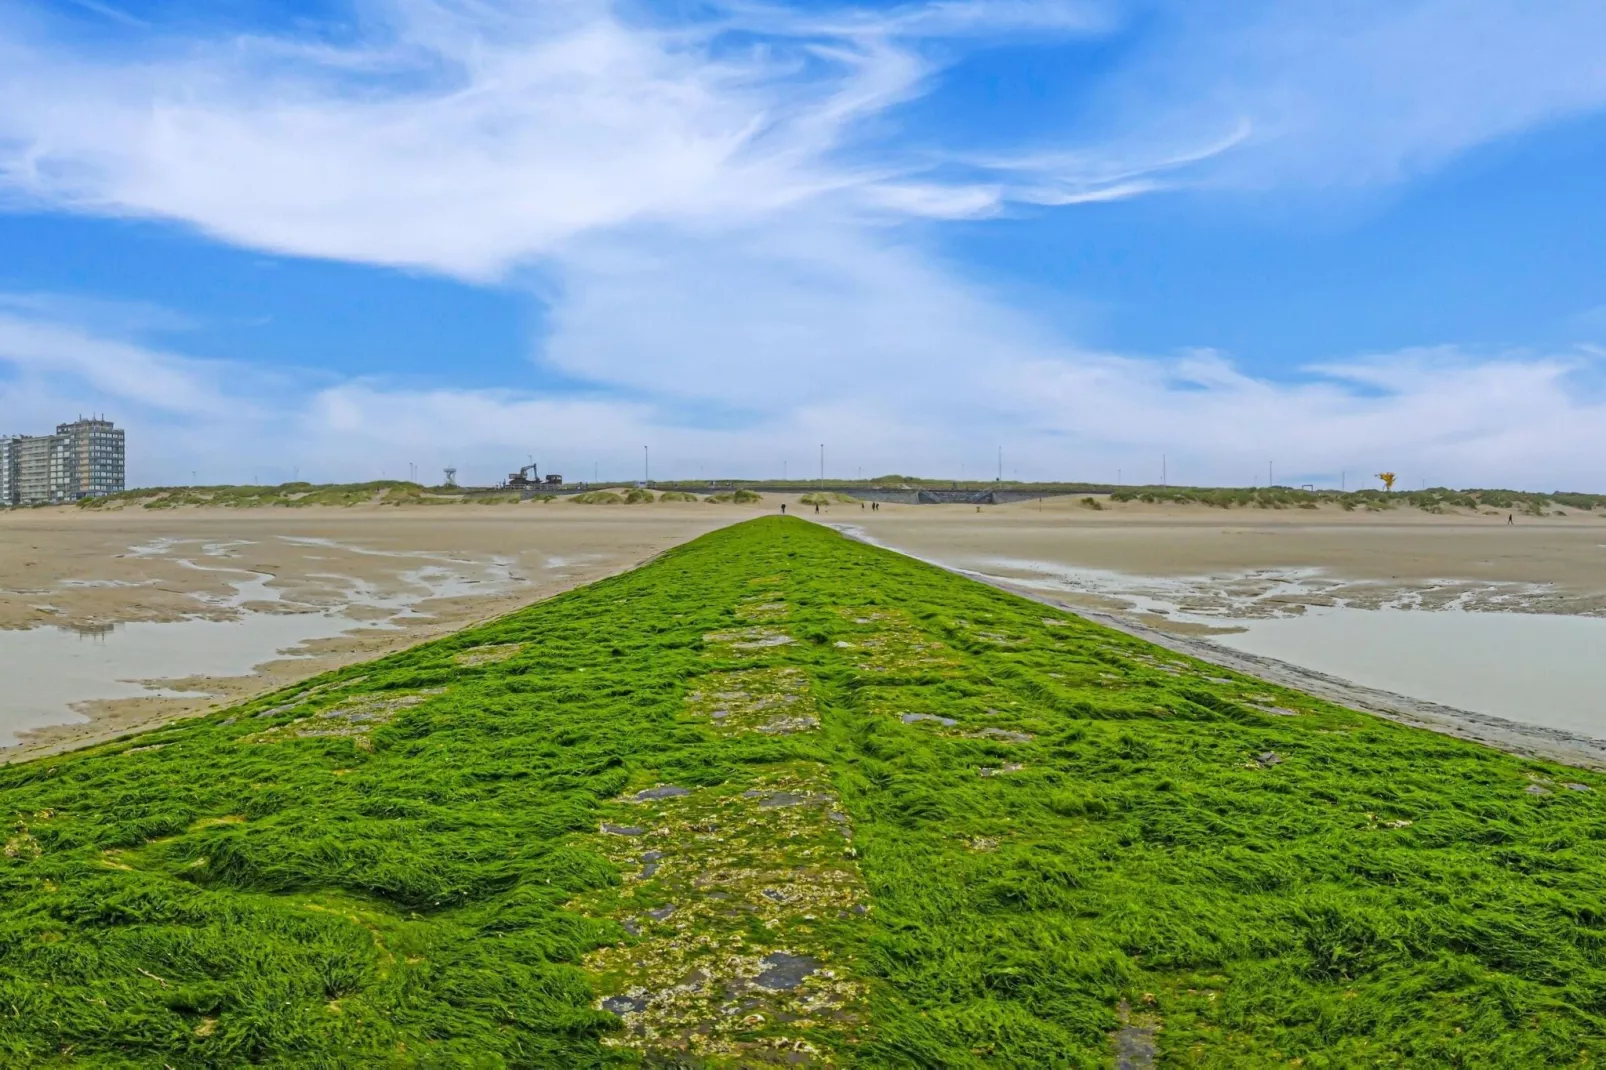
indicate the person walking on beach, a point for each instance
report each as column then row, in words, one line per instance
column 783, row 508
column 1511, row 518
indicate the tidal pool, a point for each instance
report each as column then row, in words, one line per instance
column 53, row 670
column 1534, row 668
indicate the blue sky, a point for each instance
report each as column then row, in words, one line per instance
column 336, row 240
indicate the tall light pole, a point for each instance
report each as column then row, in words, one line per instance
column 1000, row 478
column 646, row 465
column 822, row 464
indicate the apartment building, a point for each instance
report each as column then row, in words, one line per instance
column 83, row 459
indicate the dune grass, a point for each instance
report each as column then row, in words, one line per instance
column 782, row 797
column 293, row 495
column 1440, row 500
column 742, row 496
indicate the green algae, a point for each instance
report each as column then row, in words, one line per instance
column 487, row 655
column 722, row 885
column 1009, row 837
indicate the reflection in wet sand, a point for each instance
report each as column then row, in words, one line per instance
column 1533, row 668
column 99, row 661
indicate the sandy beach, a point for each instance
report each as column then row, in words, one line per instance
column 79, row 586
column 197, row 606
column 1551, row 564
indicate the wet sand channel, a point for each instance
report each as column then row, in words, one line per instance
column 115, row 621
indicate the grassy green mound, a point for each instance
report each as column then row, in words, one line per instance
column 782, row 798
column 824, row 498
column 597, row 497
column 677, row 496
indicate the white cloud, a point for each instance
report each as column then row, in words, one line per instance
column 734, row 232
column 469, row 139
column 1351, row 94
column 941, row 18
column 42, row 350
column 1443, row 415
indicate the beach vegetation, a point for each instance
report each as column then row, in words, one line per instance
column 1431, row 499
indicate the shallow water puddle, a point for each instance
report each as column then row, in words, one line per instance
column 70, row 667
column 1534, row 668
column 66, row 667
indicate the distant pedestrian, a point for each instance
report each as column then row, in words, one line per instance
column 1511, row 518
column 783, row 508
column 816, row 507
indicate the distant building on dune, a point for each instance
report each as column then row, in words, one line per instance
column 83, row 459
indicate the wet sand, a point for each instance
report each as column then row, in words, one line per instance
column 1552, row 564
column 361, row 581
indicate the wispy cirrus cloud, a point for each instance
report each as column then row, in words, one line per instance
column 1350, row 95
column 468, row 140
column 724, row 216
column 40, row 348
